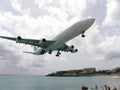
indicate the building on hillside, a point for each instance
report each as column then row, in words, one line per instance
column 89, row 70
column 116, row 70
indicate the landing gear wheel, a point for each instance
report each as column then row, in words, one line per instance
column 42, row 51
column 57, row 55
column 83, row 35
column 50, row 52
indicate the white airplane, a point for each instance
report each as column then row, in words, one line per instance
column 58, row 43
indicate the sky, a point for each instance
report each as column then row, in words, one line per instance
column 38, row 19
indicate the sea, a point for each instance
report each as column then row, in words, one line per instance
column 12, row 82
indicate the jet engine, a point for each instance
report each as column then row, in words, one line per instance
column 42, row 41
column 69, row 48
column 74, row 51
column 18, row 39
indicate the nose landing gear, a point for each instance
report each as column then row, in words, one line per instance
column 83, row 34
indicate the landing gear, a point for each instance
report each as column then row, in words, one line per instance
column 58, row 54
column 83, row 34
column 42, row 51
column 50, row 52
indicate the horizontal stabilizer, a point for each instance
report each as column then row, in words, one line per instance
column 28, row 52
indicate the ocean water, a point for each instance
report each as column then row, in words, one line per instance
column 54, row 83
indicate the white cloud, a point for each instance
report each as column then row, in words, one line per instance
column 112, row 15
column 16, row 5
column 110, row 48
column 102, row 47
column 56, row 16
column 69, row 8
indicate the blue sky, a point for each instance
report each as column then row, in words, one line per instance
column 39, row 19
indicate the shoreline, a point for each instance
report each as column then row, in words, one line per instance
column 86, row 72
column 115, row 76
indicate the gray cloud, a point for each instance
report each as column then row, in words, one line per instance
column 41, row 18
column 14, row 60
column 10, row 57
column 37, row 64
column 7, row 54
column 113, row 55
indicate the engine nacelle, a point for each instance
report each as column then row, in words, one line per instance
column 42, row 41
column 69, row 48
column 72, row 46
column 74, row 51
column 18, row 39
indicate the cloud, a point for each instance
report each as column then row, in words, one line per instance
column 68, row 8
column 112, row 15
column 39, row 19
column 109, row 48
column 9, row 58
column 102, row 47
column 16, row 5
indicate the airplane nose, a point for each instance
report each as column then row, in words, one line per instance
column 92, row 20
column 89, row 22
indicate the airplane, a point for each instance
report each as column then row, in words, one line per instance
column 58, row 43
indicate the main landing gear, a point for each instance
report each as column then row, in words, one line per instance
column 50, row 52
column 58, row 54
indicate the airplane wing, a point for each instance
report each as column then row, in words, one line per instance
column 40, row 43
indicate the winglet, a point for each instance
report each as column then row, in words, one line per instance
column 2, row 37
column 9, row 38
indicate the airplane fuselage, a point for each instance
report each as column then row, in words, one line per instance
column 70, row 33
